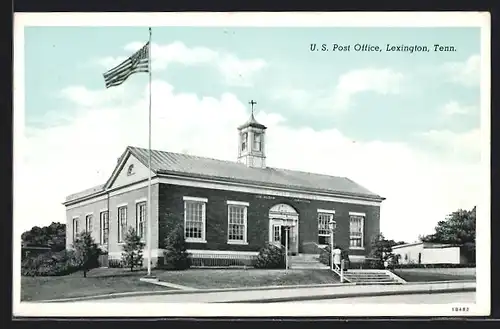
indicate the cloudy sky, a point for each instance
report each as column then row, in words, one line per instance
column 405, row 126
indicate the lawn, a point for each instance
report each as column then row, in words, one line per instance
column 436, row 274
column 99, row 281
column 239, row 278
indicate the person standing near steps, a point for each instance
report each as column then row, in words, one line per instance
column 336, row 257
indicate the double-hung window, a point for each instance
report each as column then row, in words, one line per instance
column 356, row 230
column 141, row 220
column 324, row 218
column 75, row 228
column 237, row 222
column 122, row 223
column 195, row 219
column 104, row 227
column 88, row 223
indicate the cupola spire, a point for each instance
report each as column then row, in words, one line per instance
column 251, row 141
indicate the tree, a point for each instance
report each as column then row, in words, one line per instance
column 132, row 250
column 381, row 249
column 53, row 236
column 458, row 228
column 175, row 254
column 86, row 252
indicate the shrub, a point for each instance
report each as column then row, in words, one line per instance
column 132, row 250
column 374, row 264
column 401, row 266
column 50, row 264
column 324, row 255
column 115, row 263
column 86, row 252
column 175, row 256
column 271, row 257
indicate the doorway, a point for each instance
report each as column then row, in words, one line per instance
column 283, row 217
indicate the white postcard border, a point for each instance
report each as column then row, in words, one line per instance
column 358, row 19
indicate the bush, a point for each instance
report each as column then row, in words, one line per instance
column 271, row 257
column 324, row 255
column 373, row 264
column 175, row 256
column 396, row 266
column 115, row 263
column 50, row 264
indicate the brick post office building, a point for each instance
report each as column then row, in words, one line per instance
column 227, row 208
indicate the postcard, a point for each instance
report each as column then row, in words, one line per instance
column 331, row 164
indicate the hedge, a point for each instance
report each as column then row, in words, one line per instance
column 270, row 257
column 50, row 264
column 402, row 266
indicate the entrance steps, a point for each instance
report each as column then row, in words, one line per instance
column 306, row 261
column 372, row 277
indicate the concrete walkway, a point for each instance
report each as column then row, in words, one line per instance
column 294, row 294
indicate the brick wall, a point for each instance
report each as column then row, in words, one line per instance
column 171, row 210
column 168, row 206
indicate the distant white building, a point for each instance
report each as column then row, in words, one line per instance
column 429, row 253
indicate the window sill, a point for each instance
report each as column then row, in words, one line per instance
column 237, row 242
column 196, row 241
column 357, row 248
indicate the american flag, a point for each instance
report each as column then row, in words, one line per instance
column 138, row 62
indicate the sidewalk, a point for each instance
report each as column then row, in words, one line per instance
column 293, row 294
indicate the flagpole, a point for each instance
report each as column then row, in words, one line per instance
column 149, row 164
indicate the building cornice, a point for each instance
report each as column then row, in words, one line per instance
column 264, row 186
column 238, row 186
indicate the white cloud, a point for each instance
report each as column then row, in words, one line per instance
column 420, row 189
column 466, row 73
column 453, row 108
column 84, row 97
column 464, row 145
column 381, row 81
column 235, row 71
column 341, row 97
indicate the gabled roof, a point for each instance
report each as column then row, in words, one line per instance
column 169, row 163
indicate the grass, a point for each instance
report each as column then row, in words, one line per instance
column 99, row 281
column 113, row 280
column 240, row 278
column 436, row 274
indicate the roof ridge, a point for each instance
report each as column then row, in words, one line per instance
column 237, row 163
column 186, row 163
column 185, row 154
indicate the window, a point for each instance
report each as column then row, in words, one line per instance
column 194, row 219
column 88, row 223
column 244, row 138
column 130, row 170
column 276, row 233
column 237, row 222
column 356, row 223
column 141, row 220
column 104, row 226
column 257, row 142
column 75, row 228
column 122, row 222
column 324, row 218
